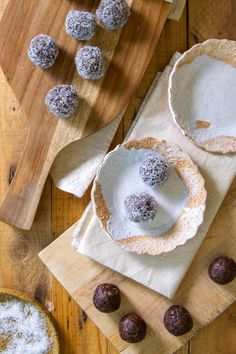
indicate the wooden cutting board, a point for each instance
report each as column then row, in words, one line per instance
column 127, row 54
column 204, row 299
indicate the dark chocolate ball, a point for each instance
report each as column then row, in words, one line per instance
column 113, row 14
column 62, row 100
column 80, row 25
column 132, row 328
column 154, row 170
column 106, row 298
column 178, row 320
column 140, row 207
column 43, row 51
column 90, row 63
column 222, row 270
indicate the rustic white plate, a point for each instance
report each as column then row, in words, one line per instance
column 181, row 199
column 202, row 95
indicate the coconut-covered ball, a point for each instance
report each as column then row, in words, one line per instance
column 222, row 270
column 90, row 63
column 62, row 100
column 43, row 51
column 154, row 170
column 140, row 207
column 80, row 25
column 113, row 14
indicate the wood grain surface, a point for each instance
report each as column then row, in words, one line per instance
column 47, row 135
column 20, row 267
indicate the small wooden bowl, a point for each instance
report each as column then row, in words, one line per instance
column 9, row 294
column 106, row 194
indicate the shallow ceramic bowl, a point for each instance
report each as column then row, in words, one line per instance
column 181, row 200
column 202, row 95
column 10, row 294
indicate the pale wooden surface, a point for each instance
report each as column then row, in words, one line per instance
column 47, row 135
column 19, row 265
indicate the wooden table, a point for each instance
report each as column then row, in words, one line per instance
column 20, row 267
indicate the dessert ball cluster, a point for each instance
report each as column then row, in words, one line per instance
column 43, row 51
column 154, row 170
column 90, row 63
column 80, row 25
column 62, row 100
column 140, row 207
column 113, row 14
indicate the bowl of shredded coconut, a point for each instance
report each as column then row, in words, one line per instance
column 25, row 326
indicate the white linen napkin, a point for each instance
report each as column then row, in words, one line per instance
column 165, row 272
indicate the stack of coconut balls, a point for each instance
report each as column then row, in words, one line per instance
column 62, row 100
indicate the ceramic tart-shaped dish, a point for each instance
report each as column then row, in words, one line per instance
column 202, row 95
column 24, row 311
column 181, row 200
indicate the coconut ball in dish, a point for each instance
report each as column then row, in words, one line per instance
column 80, row 25
column 113, row 14
column 90, row 63
column 154, row 170
column 132, row 328
column 43, row 51
column 140, row 207
column 62, row 100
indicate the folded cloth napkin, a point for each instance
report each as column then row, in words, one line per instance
column 161, row 273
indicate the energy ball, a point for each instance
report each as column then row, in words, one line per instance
column 113, row 14
column 140, row 207
column 80, row 25
column 132, row 328
column 90, row 63
column 62, row 100
column 222, row 270
column 178, row 320
column 154, row 170
column 43, row 51
column 106, row 298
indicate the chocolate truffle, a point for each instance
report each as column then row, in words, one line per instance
column 132, row 328
column 154, row 170
column 106, row 298
column 43, row 51
column 140, row 207
column 80, row 25
column 222, row 270
column 178, row 320
column 113, row 14
column 90, row 63
column 62, row 100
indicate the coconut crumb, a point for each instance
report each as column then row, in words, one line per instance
column 23, row 329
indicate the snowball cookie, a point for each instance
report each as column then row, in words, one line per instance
column 113, row 14
column 177, row 320
column 132, row 328
column 154, row 170
column 43, row 51
column 62, row 100
column 80, row 25
column 90, row 63
column 222, row 270
column 140, row 207
column 106, row 298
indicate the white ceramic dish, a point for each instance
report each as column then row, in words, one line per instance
column 202, row 95
column 181, row 199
